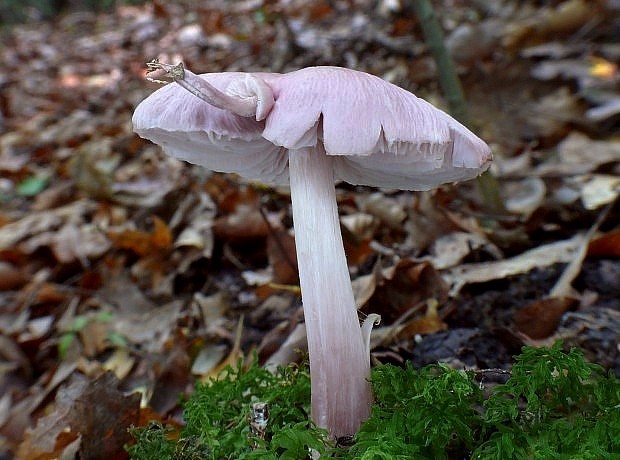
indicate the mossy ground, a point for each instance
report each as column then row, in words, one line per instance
column 553, row 404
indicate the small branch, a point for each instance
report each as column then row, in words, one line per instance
column 453, row 91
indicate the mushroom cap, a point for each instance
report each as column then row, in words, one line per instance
column 190, row 129
column 381, row 135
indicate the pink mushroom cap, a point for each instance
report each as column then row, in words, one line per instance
column 379, row 134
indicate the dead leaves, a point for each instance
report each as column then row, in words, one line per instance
column 115, row 258
column 143, row 243
column 89, row 416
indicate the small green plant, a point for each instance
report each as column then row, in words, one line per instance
column 80, row 322
column 554, row 405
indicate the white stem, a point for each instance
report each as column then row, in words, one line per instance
column 339, row 363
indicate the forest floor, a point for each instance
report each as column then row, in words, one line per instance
column 123, row 270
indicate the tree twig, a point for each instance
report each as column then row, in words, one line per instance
column 453, row 91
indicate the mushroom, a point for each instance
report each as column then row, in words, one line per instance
column 309, row 128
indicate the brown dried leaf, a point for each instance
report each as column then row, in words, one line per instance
column 156, row 325
column 94, row 337
column 173, row 379
column 578, row 154
column 36, row 223
column 541, row 318
column 96, row 412
column 144, row 243
column 11, row 277
column 427, row 324
column 282, row 257
column 37, row 292
column 607, row 245
column 406, row 285
column 542, row 256
column 245, row 223
column 548, row 22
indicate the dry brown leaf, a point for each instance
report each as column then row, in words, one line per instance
column 524, row 196
column 427, row 324
column 607, row 245
column 11, row 277
column 290, row 350
column 364, row 287
column 70, row 243
column 282, row 257
column 245, row 223
column 197, row 213
column 94, row 411
column 94, row 337
column 208, row 358
column 37, row 292
column 541, row 318
column 405, row 285
column 542, row 256
column 144, row 243
column 231, row 360
column 548, row 22
column 552, row 112
column 36, row 223
column 173, row 378
column 387, row 209
column 578, row 154
column 156, row 326
column 449, row 250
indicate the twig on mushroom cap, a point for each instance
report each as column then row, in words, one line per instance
column 157, row 70
column 258, row 100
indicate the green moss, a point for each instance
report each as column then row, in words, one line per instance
column 218, row 416
column 553, row 405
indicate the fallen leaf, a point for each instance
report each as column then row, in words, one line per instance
column 607, row 245
column 427, row 324
column 245, row 223
column 282, row 257
column 524, row 196
column 404, row 285
column 547, row 22
column 96, row 412
column 70, row 243
column 599, row 190
column 11, row 277
column 173, row 379
column 553, row 111
column 291, row 349
column 387, row 209
column 449, row 250
column 33, row 224
column 542, row 256
column 144, row 243
column 578, row 154
column 541, row 318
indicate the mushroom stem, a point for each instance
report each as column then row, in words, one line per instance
column 339, row 361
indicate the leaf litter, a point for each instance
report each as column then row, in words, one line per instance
column 125, row 275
